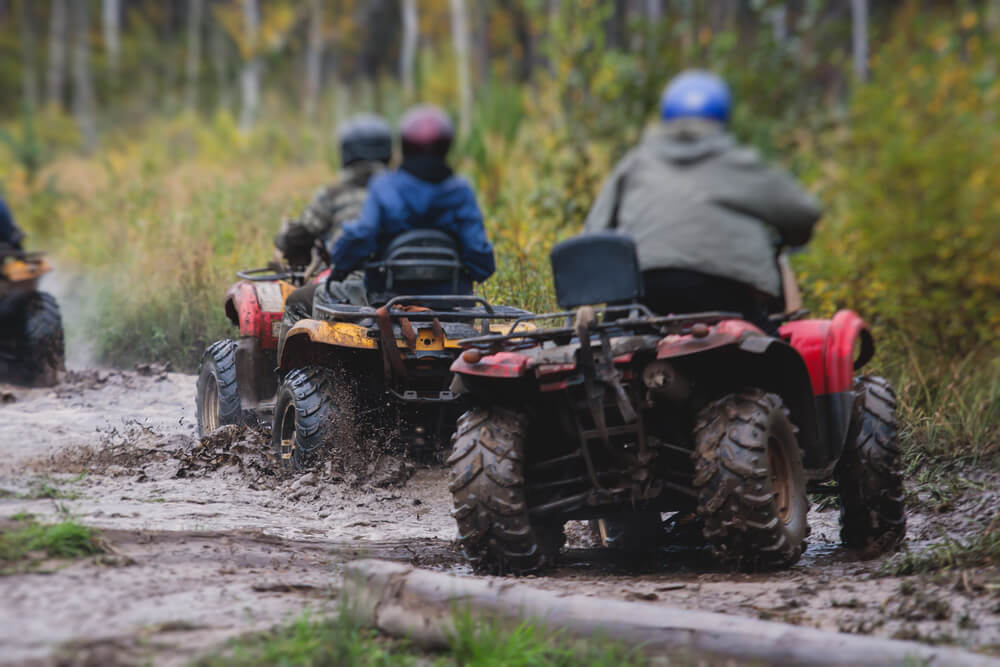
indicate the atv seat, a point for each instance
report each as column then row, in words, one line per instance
column 596, row 268
column 420, row 261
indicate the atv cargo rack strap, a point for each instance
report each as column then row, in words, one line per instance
column 637, row 316
column 454, row 307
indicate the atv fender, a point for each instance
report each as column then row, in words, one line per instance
column 309, row 338
column 256, row 308
column 509, row 365
column 726, row 332
column 828, row 348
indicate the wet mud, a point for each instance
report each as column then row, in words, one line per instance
column 212, row 540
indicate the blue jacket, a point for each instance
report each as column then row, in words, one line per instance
column 9, row 232
column 398, row 202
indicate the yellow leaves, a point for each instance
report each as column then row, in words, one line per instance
column 969, row 20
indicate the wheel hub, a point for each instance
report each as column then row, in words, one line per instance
column 781, row 479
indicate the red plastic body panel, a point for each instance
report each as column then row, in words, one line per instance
column 726, row 332
column 827, row 347
column 253, row 321
column 499, row 365
column 322, row 276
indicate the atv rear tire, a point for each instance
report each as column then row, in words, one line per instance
column 487, row 483
column 217, row 399
column 630, row 532
column 307, row 417
column 750, row 482
column 869, row 478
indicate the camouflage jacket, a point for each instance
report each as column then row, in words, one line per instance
column 331, row 206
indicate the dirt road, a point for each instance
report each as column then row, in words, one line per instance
column 207, row 543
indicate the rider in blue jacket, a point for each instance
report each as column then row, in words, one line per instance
column 10, row 234
column 423, row 193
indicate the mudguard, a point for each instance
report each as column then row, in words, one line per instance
column 498, row 365
column 256, row 308
column 726, row 332
column 828, row 349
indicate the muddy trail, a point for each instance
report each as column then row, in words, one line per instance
column 204, row 541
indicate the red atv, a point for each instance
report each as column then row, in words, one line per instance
column 619, row 415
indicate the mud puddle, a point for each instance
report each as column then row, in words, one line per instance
column 217, row 544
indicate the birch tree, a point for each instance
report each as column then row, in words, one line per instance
column 460, row 37
column 859, row 38
column 55, row 78
column 84, row 105
column 111, row 21
column 408, row 50
column 250, row 74
column 220, row 63
column 193, row 66
column 314, row 57
column 29, row 71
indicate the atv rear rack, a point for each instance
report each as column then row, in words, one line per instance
column 638, row 317
column 464, row 308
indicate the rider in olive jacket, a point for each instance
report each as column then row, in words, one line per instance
column 705, row 212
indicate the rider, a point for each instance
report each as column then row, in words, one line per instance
column 365, row 150
column 10, row 234
column 423, row 193
column 704, row 211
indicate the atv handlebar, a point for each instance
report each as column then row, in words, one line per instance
column 261, row 275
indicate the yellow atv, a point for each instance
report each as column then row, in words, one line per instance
column 380, row 373
column 31, row 333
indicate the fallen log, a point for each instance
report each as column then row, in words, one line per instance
column 421, row 605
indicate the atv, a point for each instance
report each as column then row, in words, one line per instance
column 352, row 370
column 618, row 415
column 32, row 351
column 236, row 380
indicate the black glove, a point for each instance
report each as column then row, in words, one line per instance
column 295, row 242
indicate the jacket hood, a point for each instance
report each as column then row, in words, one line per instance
column 687, row 140
column 426, row 200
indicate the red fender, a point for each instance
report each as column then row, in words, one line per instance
column 721, row 334
column 244, row 309
column 828, row 349
column 499, row 365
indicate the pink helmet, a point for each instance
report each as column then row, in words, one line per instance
column 426, row 129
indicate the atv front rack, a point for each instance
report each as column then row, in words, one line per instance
column 637, row 318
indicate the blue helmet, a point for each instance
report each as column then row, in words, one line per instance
column 696, row 94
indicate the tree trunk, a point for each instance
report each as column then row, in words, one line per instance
column 654, row 11
column 778, row 18
column 460, row 37
column 314, row 57
column 250, row 74
column 220, row 63
column 859, row 34
column 482, row 11
column 111, row 19
column 196, row 10
column 84, row 105
column 408, row 52
column 29, row 70
column 55, row 79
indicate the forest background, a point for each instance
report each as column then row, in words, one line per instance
column 154, row 147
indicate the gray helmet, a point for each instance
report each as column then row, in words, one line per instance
column 365, row 137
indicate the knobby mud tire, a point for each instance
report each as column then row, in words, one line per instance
column 750, row 481
column 307, row 417
column 869, row 475
column 487, row 483
column 37, row 343
column 217, row 398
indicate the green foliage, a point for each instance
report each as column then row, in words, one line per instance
column 912, row 235
column 982, row 550
column 67, row 539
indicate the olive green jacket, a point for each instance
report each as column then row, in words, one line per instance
column 692, row 198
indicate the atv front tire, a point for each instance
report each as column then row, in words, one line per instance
column 217, row 399
column 487, row 483
column 36, row 351
column 307, row 418
column 869, row 478
column 750, row 481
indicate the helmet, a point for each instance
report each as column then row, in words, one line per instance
column 365, row 137
column 426, row 129
column 696, row 94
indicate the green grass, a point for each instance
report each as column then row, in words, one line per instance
column 66, row 539
column 340, row 640
column 982, row 550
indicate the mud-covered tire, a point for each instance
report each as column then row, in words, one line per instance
column 217, row 394
column 487, row 483
column 34, row 348
column 630, row 532
column 750, row 481
column 869, row 475
column 306, row 417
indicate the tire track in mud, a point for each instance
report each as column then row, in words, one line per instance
column 213, row 544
